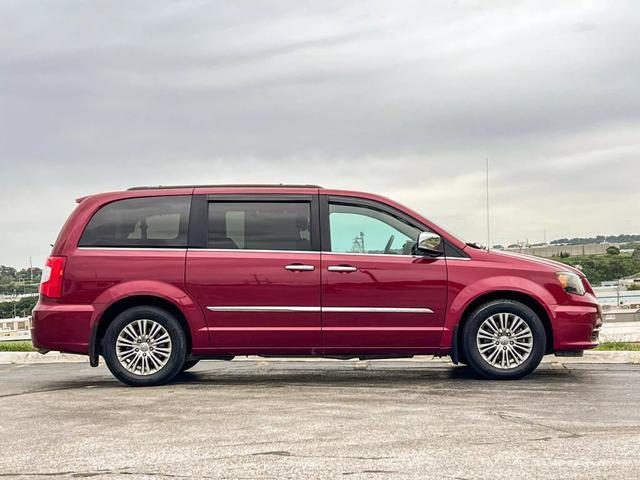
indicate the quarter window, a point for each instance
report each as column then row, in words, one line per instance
column 140, row 222
column 260, row 225
column 356, row 229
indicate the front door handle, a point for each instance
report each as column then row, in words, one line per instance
column 299, row 268
column 342, row 268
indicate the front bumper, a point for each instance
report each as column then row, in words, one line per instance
column 576, row 326
column 61, row 327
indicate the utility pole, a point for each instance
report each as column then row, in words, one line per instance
column 488, row 223
column 31, row 268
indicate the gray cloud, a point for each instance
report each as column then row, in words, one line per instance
column 403, row 98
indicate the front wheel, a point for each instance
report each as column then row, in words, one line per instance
column 144, row 346
column 504, row 340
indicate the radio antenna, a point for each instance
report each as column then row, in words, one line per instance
column 488, row 223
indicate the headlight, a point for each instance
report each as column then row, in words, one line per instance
column 571, row 282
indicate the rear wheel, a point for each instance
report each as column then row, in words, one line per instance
column 144, row 346
column 504, row 340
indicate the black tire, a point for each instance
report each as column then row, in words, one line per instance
column 188, row 364
column 481, row 365
column 176, row 357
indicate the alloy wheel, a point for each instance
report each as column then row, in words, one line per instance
column 143, row 347
column 504, row 340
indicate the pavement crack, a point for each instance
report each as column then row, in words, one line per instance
column 564, row 433
column 386, row 472
column 284, row 453
column 277, row 453
column 96, row 473
column 45, row 390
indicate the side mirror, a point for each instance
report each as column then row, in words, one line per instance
column 430, row 244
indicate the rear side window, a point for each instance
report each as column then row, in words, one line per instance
column 259, row 225
column 140, row 222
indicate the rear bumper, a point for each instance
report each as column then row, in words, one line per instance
column 577, row 326
column 61, row 327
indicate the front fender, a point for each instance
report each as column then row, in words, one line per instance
column 460, row 299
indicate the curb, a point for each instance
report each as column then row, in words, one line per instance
column 35, row 357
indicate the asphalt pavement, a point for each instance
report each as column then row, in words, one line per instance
column 319, row 420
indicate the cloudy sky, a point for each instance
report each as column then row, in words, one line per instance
column 403, row 98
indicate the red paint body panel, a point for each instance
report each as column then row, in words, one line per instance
column 385, row 281
column 194, row 279
column 64, row 327
column 257, row 279
column 489, row 272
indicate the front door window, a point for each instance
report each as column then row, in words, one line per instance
column 357, row 229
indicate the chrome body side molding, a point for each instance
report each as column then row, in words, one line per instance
column 260, row 308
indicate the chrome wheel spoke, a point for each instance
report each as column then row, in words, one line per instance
column 143, row 347
column 130, row 331
column 517, row 324
column 486, row 335
column 486, row 346
column 504, row 340
column 516, row 355
column 490, row 322
column 155, row 361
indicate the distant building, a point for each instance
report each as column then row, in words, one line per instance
column 612, row 297
column 622, row 315
column 548, row 251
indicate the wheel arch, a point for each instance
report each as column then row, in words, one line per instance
column 524, row 298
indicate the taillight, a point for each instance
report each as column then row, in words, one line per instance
column 51, row 280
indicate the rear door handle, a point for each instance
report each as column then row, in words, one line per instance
column 342, row 268
column 299, row 268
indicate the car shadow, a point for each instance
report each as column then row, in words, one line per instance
column 393, row 375
column 339, row 377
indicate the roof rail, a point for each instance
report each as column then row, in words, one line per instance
column 230, row 185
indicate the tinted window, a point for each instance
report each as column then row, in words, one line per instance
column 140, row 222
column 260, row 225
column 356, row 229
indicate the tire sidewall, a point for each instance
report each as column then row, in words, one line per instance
column 472, row 354
column 178, row 346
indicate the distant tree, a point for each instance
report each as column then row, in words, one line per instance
column 623, row 238
column 634, row 286
column 636, row 254
column 7, row 274
column 565, row 254
column 613, row 250
column 600, row 268
column 22, row 307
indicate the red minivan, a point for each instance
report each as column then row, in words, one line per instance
column 156, row 278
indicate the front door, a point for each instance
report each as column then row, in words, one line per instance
column 258, row 276
column 378, row 296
